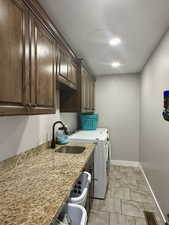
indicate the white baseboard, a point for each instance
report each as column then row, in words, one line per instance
column 152, row 192
column 125, row 163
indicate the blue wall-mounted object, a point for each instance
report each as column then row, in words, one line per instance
column 166, row 93
column 166, row 105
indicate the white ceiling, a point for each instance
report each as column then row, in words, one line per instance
column 88, row 25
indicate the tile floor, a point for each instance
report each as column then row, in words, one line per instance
column 127, row 197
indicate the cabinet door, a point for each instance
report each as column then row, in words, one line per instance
column 92, row 94
column 14, row 58
column 73, row 74
column 83, row 91
column 43, row 69
column 87, row 92
column 63, row 64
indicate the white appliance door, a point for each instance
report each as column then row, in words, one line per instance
column 108, row 156
column 100, row 170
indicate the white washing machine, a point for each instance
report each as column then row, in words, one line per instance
column 102, row 157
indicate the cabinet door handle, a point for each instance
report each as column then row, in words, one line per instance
column 27, row 106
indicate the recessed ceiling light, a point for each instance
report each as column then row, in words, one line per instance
column 116, row 64
column 115, row 41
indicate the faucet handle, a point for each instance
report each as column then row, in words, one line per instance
column 65, row 129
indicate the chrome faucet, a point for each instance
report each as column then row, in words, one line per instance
column 64, row 128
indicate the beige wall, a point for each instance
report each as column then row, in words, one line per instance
column 154, row 145
column 21, row 133
column 117, row 102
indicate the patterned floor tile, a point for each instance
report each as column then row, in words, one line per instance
column 127, row 197
column 118, row 219
column 121, row 193
column 108, row 205
column 141, row 196
column 98, row 218
column 140, row 221
column 132, row 208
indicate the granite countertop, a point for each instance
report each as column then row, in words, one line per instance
column 34, row 185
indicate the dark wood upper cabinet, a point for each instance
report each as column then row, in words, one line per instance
column 43, row 68
column 83, row 99
column 14, row 57
column 27, row 62
column 67, row 71
column 35, row 60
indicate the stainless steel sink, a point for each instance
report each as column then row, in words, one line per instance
column 71, row 149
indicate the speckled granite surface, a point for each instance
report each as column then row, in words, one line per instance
column 35, row 184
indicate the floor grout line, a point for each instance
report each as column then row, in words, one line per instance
column 109, row 218
column 121, row 206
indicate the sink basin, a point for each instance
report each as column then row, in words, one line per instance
column 71, row 149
